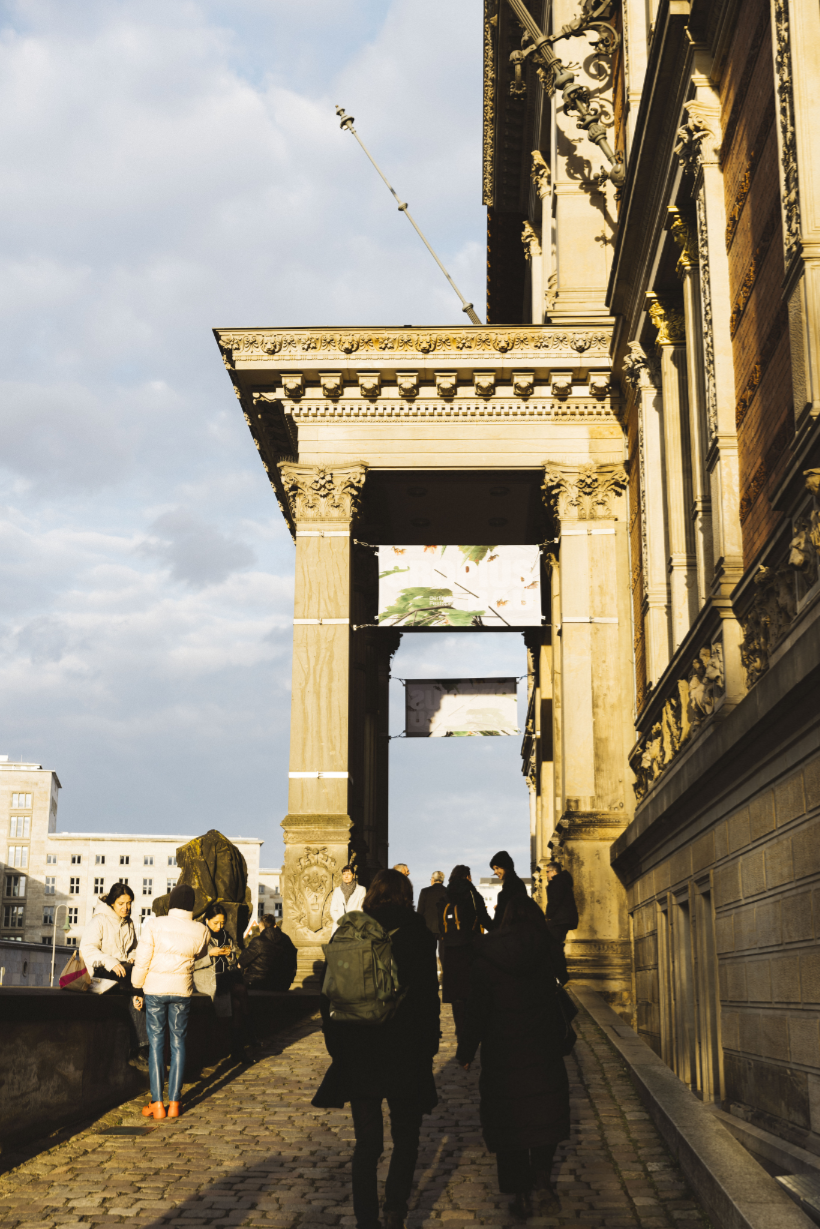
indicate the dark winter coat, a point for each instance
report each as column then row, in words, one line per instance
column 511, row 886
column 394, row 1058
column 269, row 960
column 429, row 906
column 561, row 907
column 513, row 1014
column 457, row 944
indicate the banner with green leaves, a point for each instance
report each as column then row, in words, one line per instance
column 458, row 587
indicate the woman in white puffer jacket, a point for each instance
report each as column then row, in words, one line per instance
column 107, row 950
column 348, row 896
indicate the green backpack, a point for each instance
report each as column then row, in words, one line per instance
column 361, row 979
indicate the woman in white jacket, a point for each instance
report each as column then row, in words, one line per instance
column 348, row 896
column 107, row 950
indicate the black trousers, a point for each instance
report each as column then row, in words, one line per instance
column 459, row 1016
column 137, row 1026
column 405, row 1125
column 522, row 1171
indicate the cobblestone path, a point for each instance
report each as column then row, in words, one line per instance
column 253, row 1151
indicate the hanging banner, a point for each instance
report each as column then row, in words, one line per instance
column 460, row 708
column 459, row 586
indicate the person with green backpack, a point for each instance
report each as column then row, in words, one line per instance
column 380, row 1016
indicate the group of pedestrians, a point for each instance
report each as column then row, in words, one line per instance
column 503, row 976
column 174, row 957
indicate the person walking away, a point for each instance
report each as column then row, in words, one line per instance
column 562, row 911
column 269, row 960
column 403, row 868
column 217, row 973
column 107, row 950
column 513, row 1013
column 163, row 968
column 431, row 905
column 349, row 895
column 502, row 865
column 392, row 1059
column 463, row 917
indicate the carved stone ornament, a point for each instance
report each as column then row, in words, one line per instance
column 484, row 383
column 585, row 492
column 540, row 174
column 408, row 383
column 804, row 548
column 446, row 383
column 700, row 693
column 311, row 889
column 599, row 383
column 332, row 384
column 788, row 136
column 370, row 383
column 768, row 619
column 699, row 138
column 532, row 244
column 294, row 385
column 523, row 383
column 561, row 383
column 488, row 169
column 668, row 319
column 319, row 494
column 685, row 236
column 707, row 319
column 637, row 369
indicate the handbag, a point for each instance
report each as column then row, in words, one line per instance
column 75, row 975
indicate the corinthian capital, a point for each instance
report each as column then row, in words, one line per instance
column 316, row 493
column 668, row 319
column 540, row 174
column 532, row 245
column 685, row 237
column 699, row 138
column 583, row 492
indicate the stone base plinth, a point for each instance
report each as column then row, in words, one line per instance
column 316, row 849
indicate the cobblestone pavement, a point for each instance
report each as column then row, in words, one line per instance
column 252, row 1151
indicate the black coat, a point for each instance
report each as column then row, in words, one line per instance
column 269, row 960
column 429, row 906
column 394, row 1058
column 513, row 1014
column 511, row 886
column 561, row 907
column 457, row 944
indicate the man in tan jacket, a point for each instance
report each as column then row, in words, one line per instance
column 163, row 967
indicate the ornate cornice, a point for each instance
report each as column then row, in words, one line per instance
column 489, row 107
column 463, row 405
column 583, row 492
column 316, row 493
column 306, row 347
column 668, row 319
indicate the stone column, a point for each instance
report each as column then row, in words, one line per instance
column 644, row 376
column 532, row 249
column 593, row 643
column 688, row 268
column 318, row 824
column 542, row 179
column 668, row 320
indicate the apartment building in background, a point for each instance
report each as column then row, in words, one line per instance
column 52, row 877
column 270, row 892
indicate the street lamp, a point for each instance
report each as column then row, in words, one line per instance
column 66, row 928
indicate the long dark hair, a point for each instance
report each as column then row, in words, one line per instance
column 215, row 909
column 388, row 888
column 523, row 911
column 459, row 872
column 114, row 893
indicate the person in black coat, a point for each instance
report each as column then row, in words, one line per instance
column 562, row 911
column 431, row 901
column 503, row 866
column 392, row 1060
column 513, row 1013
column 462, row 918
column 269, row 960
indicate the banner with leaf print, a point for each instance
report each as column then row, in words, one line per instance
column 460, row 708
column 452, row 587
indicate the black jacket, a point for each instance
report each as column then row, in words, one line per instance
column 429, row 906
column 511, row 886
column 394, row 1058
column 561, row 907
column 457, row 943
column 513, row 1014
column 269, row 960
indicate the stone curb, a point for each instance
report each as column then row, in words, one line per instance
column 734, row 1190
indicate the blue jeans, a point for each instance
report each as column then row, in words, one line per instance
column 173, row 1010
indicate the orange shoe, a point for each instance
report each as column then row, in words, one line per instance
column 173, row 1109
column 155, row 1110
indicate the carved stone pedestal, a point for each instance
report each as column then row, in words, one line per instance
column 316, row 849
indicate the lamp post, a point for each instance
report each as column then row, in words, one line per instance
column 66, row 928
column 576, row 97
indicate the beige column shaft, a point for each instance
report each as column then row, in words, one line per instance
column 317, row 826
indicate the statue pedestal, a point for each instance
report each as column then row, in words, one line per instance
column 316, row 849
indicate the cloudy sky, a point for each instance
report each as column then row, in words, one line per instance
column 165, row 168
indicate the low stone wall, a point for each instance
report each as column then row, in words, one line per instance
column 29, row 964
column 64, row 1055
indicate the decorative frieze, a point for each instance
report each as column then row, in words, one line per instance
column 316, row 493
column 489, row 105
column 693, row 700
column 790, row 191
column 523, row 383
column 710, row 376
column 569, row 409
column 583, row 492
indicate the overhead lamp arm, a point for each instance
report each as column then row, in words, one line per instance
column 576, row 97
